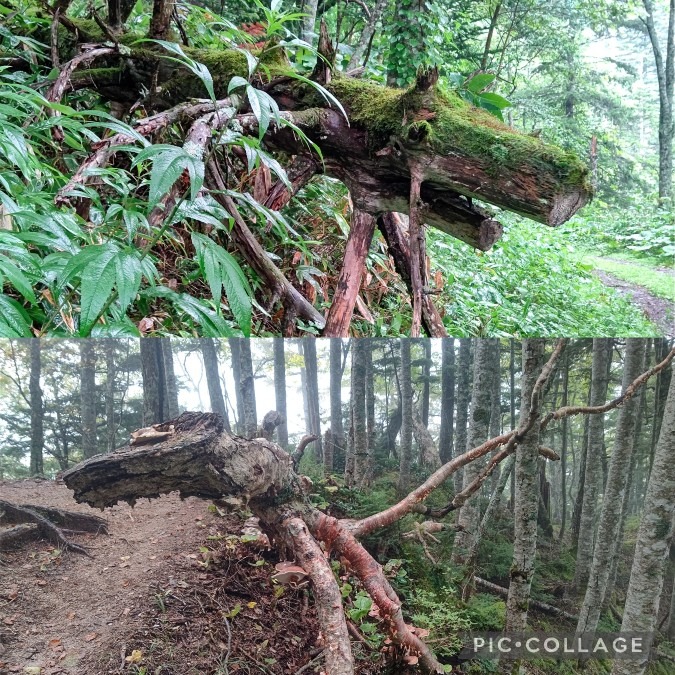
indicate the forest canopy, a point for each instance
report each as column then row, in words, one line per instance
column 235, row 169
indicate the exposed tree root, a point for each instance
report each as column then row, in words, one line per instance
column 34, row 522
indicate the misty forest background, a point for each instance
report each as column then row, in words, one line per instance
column 578, row 73
column 386, row 414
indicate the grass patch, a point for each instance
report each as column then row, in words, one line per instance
column 655, row 281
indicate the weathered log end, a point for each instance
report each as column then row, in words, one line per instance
column 198, row 459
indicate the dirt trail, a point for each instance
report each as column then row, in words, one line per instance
column 658, row 310
column 58, row 611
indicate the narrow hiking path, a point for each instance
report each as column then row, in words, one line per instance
column 58, row 610
column 659, row 311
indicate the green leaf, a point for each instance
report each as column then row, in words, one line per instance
column 496, row 100
column 127, row 277
column 479, row 82
column 14, row 320
column 98, row 280
column 17, row 279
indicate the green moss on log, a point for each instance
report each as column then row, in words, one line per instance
column 447, row 124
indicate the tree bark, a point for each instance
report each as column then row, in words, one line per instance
column 37, row 434
column 88, row 398
column 247, row 387
column 154, row 385
column 357, row 57
column 110, row 379
column 280, row 390
column 405, row 452
column 527, row 496
column 311, row 368
column 358, row 412
column 602, row 355
column 653, row 542
column 463, row 393
column 169, row 378
column 446, row 436
column 361, row 230
column 235, row 357
column 481, row 400
column 606, row 546
column 336, row 425
column 213, row 382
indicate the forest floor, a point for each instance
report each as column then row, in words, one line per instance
column 654, row 296
column 171, row 589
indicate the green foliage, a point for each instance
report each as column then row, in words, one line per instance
column 643, row 229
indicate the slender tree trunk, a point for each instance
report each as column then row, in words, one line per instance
column 154, row 387
column 170, row 379
column 309, row 9
column 110, row 377
column 311, row 369
column 212, row 371
column 447, row 432
column 512, row 410
column 602, row 353
column 606, row 546
column 527, row 497
column 370, row 412
column 463, row 395
column 336, row 425
column 88, row 398
column 481, row 401
column 247, row 386
column 405, row 452
column 665, row 74
column 496, row 410
column 426, row 384
column 653, row 542
column 358, row 408
column 564, row 428
column 37, row 434
column 235, row 351
column 362, row 46
column 280, row 393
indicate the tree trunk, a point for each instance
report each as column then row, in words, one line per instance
column 463, row 393
column 247, row 387
column 212, row 372
column 88, row 398
column 405, row 452
column 111, row 424
column 485, row 352
column 357, row 58
column 280, row 391
column 563, row 449
column 37, row 434
column 527, row 497
column 653, row 542
column 358, row 414
column 446, row 436
column 426, row 384
column 311, row 369
column 235, row 352
column 607, row 545
column 169, row 379
column 602, row 354
column 154, row 388
column 665, row 74
column 370, row 411
column 336, row 425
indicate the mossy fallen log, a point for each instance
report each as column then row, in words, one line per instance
column 462, row 153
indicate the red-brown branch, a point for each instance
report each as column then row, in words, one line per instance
column 361, row 230
column 338, row 652
column 337, row 537
column 414, row 235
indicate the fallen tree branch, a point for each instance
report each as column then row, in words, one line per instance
column 361, row 230
column 536, row 604
column 300, row 450
column 293, row 301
